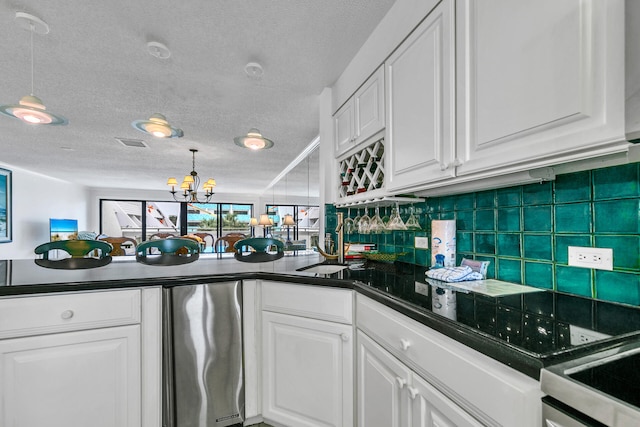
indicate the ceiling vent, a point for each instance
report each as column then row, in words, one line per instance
column 128, row 142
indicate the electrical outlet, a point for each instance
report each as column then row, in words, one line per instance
column 582, row 335
column 422, row 242
column 600, row 258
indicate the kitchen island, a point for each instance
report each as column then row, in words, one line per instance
column 524, row 332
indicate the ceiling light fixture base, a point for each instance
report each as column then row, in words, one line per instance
column 31, row 23
column 158, row 50
column 254, row 70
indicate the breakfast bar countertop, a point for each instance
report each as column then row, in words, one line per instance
column 526, row 331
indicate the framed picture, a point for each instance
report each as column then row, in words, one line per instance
column 5, row 206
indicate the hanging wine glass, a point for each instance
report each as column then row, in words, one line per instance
column 395, row 221
column 385, row 220
column 412, row 222
column 364, row 223
column 356, row 222
column 347, row 224
column 377, row 226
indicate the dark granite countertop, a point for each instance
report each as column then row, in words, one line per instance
column 525, row 331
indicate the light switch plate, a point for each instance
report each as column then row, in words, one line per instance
column 422, row 242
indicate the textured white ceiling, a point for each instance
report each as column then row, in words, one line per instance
column 94, row 69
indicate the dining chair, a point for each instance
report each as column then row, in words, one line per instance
column 208, row 239
column 226, row 243
column 118, row 243
column 161, row 236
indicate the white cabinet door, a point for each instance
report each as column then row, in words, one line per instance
column 420, row 108
column 344, row 127
column 380, row 388
column 307, row 371
column 430, row 408
column 74, row 379
column 369, row 106
column 362, row 116
column 391, row 395
column 538, row 82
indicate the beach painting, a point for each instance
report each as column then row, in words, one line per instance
column 5, row 205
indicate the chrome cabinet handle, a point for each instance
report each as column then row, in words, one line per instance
column 67, row 314
column 405, row 344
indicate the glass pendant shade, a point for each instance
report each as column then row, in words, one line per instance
column 253, row 140
column 157, row 126
column 30, row 109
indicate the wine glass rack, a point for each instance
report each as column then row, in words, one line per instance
column 362, row 171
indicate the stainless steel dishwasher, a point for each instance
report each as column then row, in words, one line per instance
column 202, row 355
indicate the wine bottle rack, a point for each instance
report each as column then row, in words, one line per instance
column 363, row 171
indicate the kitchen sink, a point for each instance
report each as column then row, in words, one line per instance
column 323, row 268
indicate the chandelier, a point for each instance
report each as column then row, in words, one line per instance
column 190, row 184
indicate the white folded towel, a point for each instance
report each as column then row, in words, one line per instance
column 454, row 274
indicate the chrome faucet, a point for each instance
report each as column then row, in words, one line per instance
column 340, row 233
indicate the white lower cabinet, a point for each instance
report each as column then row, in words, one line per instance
column 307, row 361
column 447, row 382
column 78, row 360
column 392, row 395
column 86, row 378
column 307, row 366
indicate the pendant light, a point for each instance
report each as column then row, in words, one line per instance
column 30, row 109
column 157, row 125
column 253, row 139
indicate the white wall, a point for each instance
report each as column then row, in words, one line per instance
column 36, row 198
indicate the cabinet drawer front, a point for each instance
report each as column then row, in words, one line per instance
column 488, row 389
column 68, row 312
column 334, row 305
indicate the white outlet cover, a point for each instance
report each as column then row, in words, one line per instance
column 587, row 257
column 422, row 242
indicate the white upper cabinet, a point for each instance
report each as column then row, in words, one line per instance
column 420, row 103
column 539, row 83
column 362, row 115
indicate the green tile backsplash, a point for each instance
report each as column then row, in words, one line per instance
column 524, row 231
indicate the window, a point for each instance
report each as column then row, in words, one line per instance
column 307, row 223
column 143, row 220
